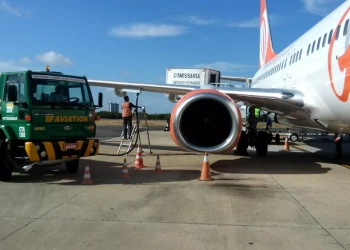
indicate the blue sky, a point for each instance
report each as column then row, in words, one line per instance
column 136, row 40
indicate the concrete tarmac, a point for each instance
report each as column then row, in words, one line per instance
column 287, row 200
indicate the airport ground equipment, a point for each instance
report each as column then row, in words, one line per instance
column 37, row 130
column 192, row 76
column 134, row 133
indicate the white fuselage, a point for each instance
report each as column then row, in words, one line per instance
column 309, row 64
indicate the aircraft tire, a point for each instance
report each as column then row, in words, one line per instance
column 278, row 139
column 262, row 143
column 242, row 144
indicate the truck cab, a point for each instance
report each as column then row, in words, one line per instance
column 46, row 118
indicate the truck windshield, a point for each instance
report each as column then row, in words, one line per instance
column 46, row 89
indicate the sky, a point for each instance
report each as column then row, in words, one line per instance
column 136, row 40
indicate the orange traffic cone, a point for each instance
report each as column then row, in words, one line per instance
column 139, row 160
column 286, row 145
column 87, row 177
column 125, row 171
column 158, row 169
column 205, row 175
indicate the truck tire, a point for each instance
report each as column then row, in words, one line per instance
column 6, row 166
column 294, row 137
column 262, row 143
column 72, row 166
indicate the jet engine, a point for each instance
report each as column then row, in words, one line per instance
column 206, row 120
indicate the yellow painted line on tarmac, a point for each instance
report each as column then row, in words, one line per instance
column 306, row 151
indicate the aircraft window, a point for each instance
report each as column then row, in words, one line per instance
column 301, row 51
column 296, row 58
column 346, row 27
column 290, row 61
column 337, row 34
column 324, row 40
column 330, row 37
column 313, row 47
column 308, row 49
column 285, row 63
column 318, row 43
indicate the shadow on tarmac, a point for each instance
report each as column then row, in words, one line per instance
column 154, row 150
column 326, row 150
column 289, row 163
column 104, row 173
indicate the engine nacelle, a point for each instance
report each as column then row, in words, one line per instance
column 173, row 98
column 206, row 120
column 119, row 92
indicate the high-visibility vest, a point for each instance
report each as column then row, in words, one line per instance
column 126, row 111
column 257, row 112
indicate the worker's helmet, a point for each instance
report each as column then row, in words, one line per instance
column 126, row 98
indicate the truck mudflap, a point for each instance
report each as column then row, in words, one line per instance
column 56, row 150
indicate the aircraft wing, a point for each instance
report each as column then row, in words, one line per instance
column 286, row 102
column 149, row 87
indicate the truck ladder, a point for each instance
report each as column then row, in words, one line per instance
column 128, row 143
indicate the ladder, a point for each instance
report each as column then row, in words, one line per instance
column 128, row 143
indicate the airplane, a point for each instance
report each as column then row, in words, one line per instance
column 306, row 85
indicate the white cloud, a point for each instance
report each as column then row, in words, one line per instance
column 195, row 20
column 253, row 23
column 53, row 58
column 6, row 66
column 126, row 73
column 147, row 30
column 25, row 60
column 318, row 7
column 224, row 66
column 5, row 7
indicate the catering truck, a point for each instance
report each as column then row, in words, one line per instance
column 190, row 76
column 46, row 118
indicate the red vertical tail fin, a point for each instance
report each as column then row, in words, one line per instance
column 266, row 49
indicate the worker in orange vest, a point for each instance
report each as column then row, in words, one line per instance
column 127, row 116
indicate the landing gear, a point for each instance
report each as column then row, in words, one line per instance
column 242, row 145
column 261, row 143
column 252, row 138
column 278, row 139
column 338, row 146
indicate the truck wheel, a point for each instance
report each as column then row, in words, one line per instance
column 72, row 166
column 278, row 139
column 261, row 143
column 294, row 137
column 6, row 166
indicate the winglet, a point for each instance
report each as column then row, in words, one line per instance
column 266, row 49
